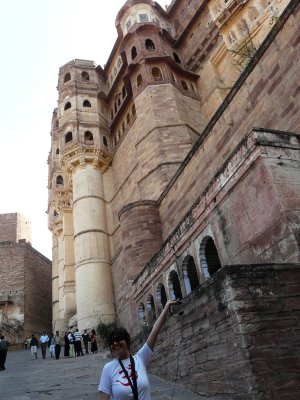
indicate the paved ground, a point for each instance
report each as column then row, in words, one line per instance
column 67, row 378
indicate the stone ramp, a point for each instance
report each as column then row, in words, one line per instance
column 68, row 379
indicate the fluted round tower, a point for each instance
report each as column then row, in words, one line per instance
column 80, row 157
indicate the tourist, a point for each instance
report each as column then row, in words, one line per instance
column 126, row 376
column 94, row 345
column 44, row 339
column 3, row 352
column 78, row 347
column 52, row 346
column 67, row 345
column 57, row 344
column 33, row 346
column 86, row 339
column 71, row 339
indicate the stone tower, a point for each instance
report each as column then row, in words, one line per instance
column 82, row 281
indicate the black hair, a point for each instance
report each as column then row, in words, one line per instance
column 121, row 332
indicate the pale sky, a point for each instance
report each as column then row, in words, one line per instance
column 37, row 37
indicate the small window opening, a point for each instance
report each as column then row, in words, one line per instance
column 59, row 181
column 149, row 45
column 67, row 77
column 105, row 141
column 88, row 137
column 176, row 58
column 87, row 103
column 67, row 106
column 85, row 76
column 156, row 73
column 133, row 53
column 69, row 137
column 139, row 80
column 184, row 85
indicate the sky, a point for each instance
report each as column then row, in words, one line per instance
column 37, row 37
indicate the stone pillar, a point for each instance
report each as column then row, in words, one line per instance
column 94, row 287
column 69, row 270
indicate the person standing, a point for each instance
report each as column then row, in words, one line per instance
column 67, row 345
column 126, row 377
column 71, row 344
column 94, row 346
column 52, row 346
column 86, row 339
column 44, row 339
column 57, row 344
column 33, row 344
column 78, row 347
column 3, row 352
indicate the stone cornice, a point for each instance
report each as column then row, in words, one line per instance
column 78, row 156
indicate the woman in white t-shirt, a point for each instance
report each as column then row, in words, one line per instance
column 125, row 378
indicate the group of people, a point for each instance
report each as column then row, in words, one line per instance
column 123, row 378
column 72, row 342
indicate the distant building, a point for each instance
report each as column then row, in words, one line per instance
column 25, row 282
column 174, row 172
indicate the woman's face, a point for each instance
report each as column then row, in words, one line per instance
column 119, row 347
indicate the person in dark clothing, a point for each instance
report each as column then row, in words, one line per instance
column 57, row 344
column 86, row 339
column 67, row 345
column 33, row 346
column 94, row 346
column 3, row 352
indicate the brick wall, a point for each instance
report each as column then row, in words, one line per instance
column 238, row 337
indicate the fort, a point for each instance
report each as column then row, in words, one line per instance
column 25, row 284
column 174, row 172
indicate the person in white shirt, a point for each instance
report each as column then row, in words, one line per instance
column 126, row 376
column 44, row 339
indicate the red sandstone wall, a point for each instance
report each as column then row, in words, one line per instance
column 238, row 337
column 268, row 98
column 38, row 292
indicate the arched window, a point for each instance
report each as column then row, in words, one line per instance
column 184, row 85
column 190, row 276
column 151, row 314
column 105, row 141
column 123, row 127
column 85, row 76
column 133, row 53
column 86, row 103
column 176, row 58
column 156, row 73
column 55, row 214
column 127, row 118
column 57, row 151
column 149, row 44
column 133, row 110
column 123, row 92
column 59, row 181
column 139, row 80
column 68, row 137
column 209, row 258
column 88, row 137
column 67, row 106
column 174, row 286
column 67, row 77
column 142, row 316
column 161, row 296
column 116, row 108
column 119, row 101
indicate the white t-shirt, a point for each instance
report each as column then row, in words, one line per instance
column 114, row 382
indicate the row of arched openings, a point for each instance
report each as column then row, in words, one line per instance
column 84, row 76
column 118, row 101
column 86, row 103
column 130, row 116
column 180, row 284
column 88, row 138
